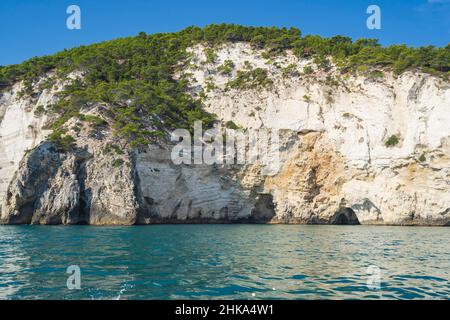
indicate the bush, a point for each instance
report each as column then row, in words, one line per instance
column 422, row 158
column 332, row 82
column 226, row 68
column 112, row 147
column 117, row 163
column 322, row 62
column 375, row 74
column 308, row 70
column 39, row 111
column 231, row 125
column 62, row 141
column 257, row 78
column 290, row 71
column 211, row 56
column 209, row 84
column 392, row 141
column 96, row 120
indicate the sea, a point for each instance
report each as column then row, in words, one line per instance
column 232, row 261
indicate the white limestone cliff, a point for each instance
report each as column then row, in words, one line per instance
column 335, row 164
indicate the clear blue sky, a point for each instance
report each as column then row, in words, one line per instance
column 37, row 27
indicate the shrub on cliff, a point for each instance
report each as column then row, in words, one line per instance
column 392, row 141
column 251, row 79
column 226, row 68
column 63, row 142
column 134, row 76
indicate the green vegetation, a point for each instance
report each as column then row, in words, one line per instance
column 331, row 81
column 113, row 147
column 247, row 65
column 252, row 79
column 422, row 158
column 210, row 55
column 95, row 120
column 134, row 76
column 129, row 55
column 117, row 163
column 63, row 142
column 231, row 125
column 308, row 70
column 290, row 71
column 322, row 62
column 209, row 84
column 77, row 128
column 375, row 74
column 40, row 110
column 226, row 68
column 329, row 97
column 392, row 141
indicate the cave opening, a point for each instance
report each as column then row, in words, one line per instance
column 264, row 209
column 345, row 216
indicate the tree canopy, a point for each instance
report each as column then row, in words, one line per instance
column 135, row 75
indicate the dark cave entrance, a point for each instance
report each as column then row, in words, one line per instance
column 264, row 209
column 345, row 216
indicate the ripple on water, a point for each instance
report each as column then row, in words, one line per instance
column 225, row 262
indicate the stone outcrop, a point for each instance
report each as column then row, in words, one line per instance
column 336, row 167
column 75, row 187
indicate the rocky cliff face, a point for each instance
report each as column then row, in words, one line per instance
column 354, row 149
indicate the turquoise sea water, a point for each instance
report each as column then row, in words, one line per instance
column 226, row 262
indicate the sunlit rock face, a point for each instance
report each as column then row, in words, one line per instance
column 354, row 149
column 20, row 130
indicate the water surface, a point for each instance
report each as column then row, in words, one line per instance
column 225, row 262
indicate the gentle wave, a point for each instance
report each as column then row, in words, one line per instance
column 225, row 262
